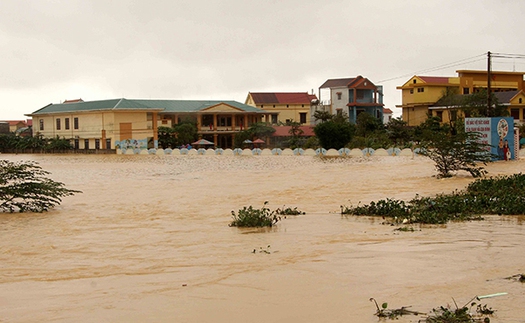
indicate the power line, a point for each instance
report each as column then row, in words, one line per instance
column 504, row 55
column 472, row 59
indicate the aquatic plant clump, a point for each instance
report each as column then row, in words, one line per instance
column 289, row 211
column 252, row 217
column 442, row 314
column 502, row 195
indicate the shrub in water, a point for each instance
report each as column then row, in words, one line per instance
column 251, row 217
column 499, row 195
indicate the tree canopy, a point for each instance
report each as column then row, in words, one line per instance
column 335, row 133
column 24, row 187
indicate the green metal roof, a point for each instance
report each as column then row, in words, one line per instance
column 168, row 106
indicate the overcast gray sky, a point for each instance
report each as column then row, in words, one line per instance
column 53, row 50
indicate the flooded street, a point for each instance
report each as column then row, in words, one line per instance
column 148, row 241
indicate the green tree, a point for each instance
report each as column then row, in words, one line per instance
column 452, row 153
column 24, row 187
column 367, row 124
column 323, row 115
column 399, row 132
column 295, row 133
column 335, row 133
column 185, row 132
column 260, row 130
column 58, row 143
column 167, row 137
column 475, row 105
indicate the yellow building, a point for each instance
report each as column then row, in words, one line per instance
column 107, row 124
column 421, row 93
column 283, row 107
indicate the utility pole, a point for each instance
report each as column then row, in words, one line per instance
column 489, row 78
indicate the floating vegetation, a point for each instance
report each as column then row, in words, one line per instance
column 405, row 229
column 289, row 211
column 263, row 217
column 462, row 314
column 252, row 217
column 502, row 195
column 442, row 314
column 385, row 312
column 263, row 250
column 517, row 277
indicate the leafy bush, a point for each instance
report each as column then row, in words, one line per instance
column 24, row 188
column 498, row 195
column 289, row 211
column 251, row 217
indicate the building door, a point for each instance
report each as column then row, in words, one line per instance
column 125, row 131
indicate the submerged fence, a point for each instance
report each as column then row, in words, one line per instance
column 343, row 152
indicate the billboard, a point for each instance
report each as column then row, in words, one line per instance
column 497, row 132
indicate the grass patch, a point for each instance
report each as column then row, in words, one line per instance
column 502, row 195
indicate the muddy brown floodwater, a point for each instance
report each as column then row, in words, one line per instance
column 148, row 241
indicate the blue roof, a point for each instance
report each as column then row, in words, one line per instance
column 168, row 106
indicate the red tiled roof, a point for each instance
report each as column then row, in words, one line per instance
column 284, row 131
column 282, row 97
column 15, row 122
column 387, row 110
column 434, row 79
column 337, row 83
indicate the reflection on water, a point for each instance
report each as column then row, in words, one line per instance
column 148, row 241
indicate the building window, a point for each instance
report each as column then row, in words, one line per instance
column 58, row 124
column 339, row 112
column 97, row 143
column 75, row 123
column 274, row 118
column 77, row 144
column 287, row 106
column 225, row 121
column 414, row 81
column 66, row 123
column 439, row 114
column 466, row 90
column 302, row 117
column 520, row 100
column 108, row 143
column 41, row 124
column 339, row 95
column 453, row 115
column 262, row 106
column 86, row 143
column 421, row 89
column 515, row 113
column 411, row 91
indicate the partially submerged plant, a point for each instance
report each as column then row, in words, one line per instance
column 461, row 314
column 289, row 211
column 25, row 187
column 263, row 250
column 443, row 314
column 517, row 277
column 384, row 312
column 498, row 195
column 251, row 217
